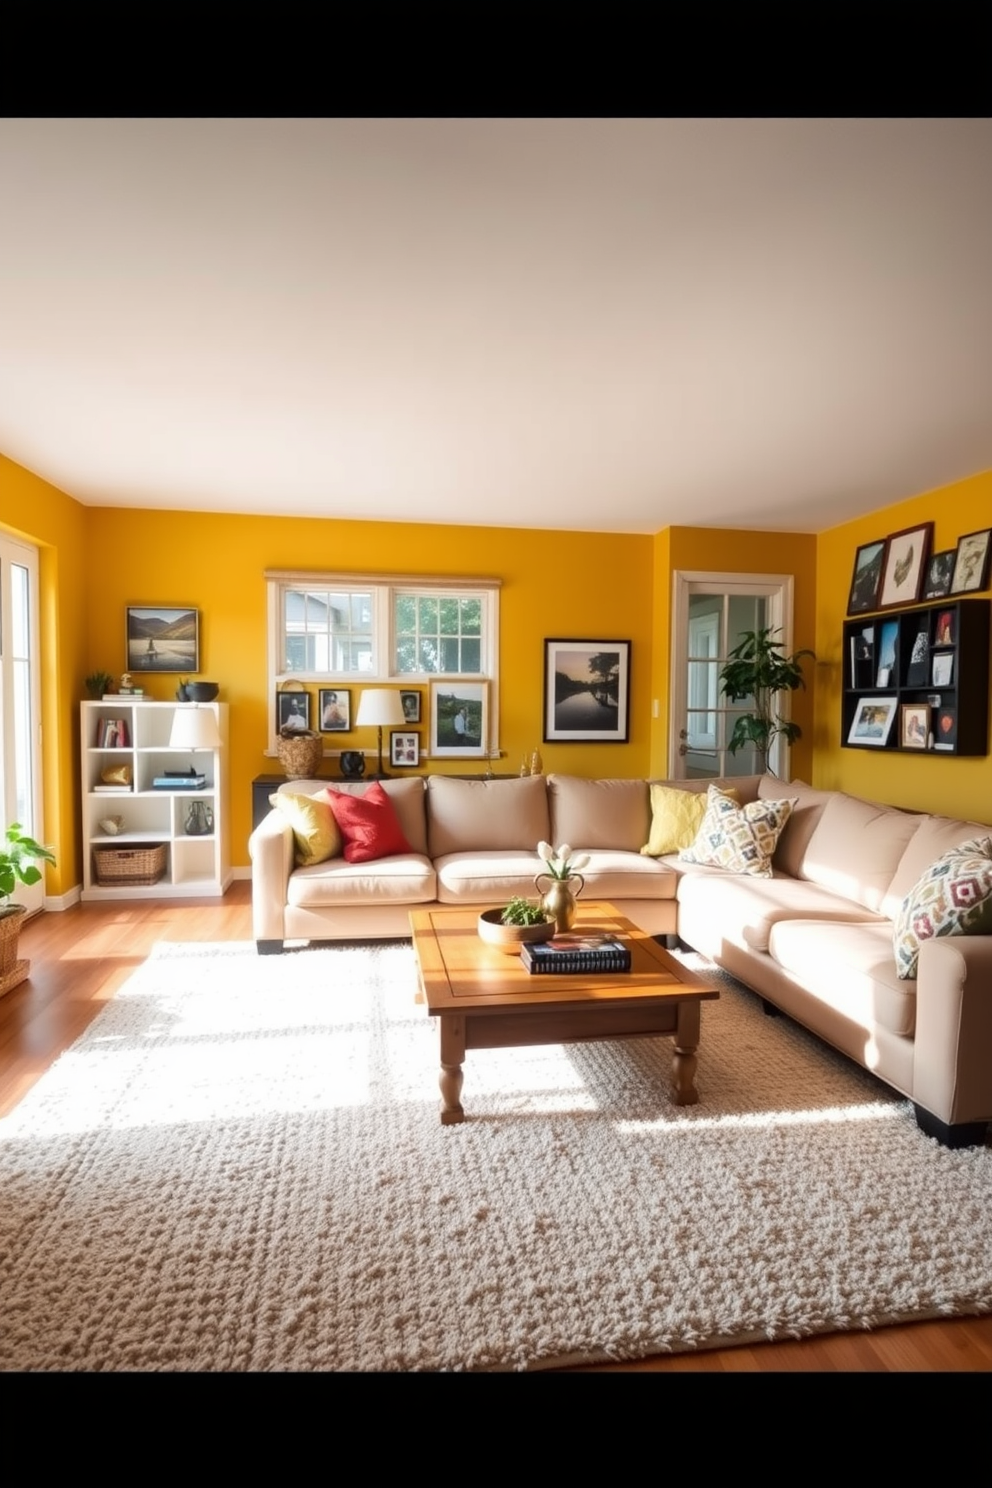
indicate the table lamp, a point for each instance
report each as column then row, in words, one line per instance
column 379, row 706
column 194, row 728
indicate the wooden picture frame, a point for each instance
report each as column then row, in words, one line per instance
column 586, row 691
column 293, row 711
column 907, row 554
column 404, row 749
column 866, row 578
column 459, row 720
column 334, row 710
column 162, row 638
column 410, row 698
column 872, row 722
column 971, row 562
column 914, row 725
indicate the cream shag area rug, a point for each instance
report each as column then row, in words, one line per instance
column 240, row 1166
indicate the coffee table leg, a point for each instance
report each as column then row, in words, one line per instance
column 452, row 1059
column 684, row 1062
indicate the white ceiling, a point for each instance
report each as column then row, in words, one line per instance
column 608, row 324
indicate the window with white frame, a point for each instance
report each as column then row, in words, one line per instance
column 374, row 629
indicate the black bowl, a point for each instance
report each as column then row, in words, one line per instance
column 202, row 692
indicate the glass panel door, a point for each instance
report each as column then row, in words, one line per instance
column 20, row 797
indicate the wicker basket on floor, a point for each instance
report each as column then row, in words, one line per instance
column 130, row 865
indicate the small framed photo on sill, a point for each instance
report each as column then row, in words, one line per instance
column 334, row 709
column 404, row 748
column 410, row 703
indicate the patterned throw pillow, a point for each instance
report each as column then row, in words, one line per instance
column 676, row 816
column 741, row 839
column 952, row 897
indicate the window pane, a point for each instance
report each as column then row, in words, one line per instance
column 327, row 622
column 427, row 616
column 428, row 653
column 449, row 617
column 449, row 656
column 471, row 656
column 406, row 614
column 471, row 619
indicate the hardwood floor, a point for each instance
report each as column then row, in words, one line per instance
column 80, row 958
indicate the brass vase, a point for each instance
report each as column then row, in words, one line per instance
column 558, row 901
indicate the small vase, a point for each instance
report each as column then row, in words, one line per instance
column 199, row 819
column 559, row 900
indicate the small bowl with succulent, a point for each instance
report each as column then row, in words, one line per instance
column 521, row 922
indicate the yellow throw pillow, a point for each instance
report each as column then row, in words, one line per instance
column 676, row 816
column 317, row 834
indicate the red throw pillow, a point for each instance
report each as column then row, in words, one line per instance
column 368, row 823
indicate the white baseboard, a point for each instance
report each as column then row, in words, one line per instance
column 63, row 901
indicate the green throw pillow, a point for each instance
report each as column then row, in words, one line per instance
column 315, row 830
column 676, row 816
column 951, row 897
column 740, row 839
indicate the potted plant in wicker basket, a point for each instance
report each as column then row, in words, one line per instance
column 19, row 855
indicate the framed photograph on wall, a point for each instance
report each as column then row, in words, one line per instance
column 872, row 721
column 943, row 668
column 945, row 728
column 866, row 578
column 162, row 638
column 914, row 725
column 459, row 719
column 586, row 692
column 293, row 711
column 404, row 748
column 971, row 562
column 410, row 700
column 334, row 710
column 940, row 571
column 907, row 554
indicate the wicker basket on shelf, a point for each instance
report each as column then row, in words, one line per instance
column 300, row 753
column 132, row 866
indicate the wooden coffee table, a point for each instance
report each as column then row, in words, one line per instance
column 486, row 999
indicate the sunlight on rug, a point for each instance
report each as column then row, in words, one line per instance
column 240, row 1166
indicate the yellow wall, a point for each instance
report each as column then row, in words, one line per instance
column 954, row 787
column 32, row 509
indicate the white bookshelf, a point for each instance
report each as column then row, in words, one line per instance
column 196, row 865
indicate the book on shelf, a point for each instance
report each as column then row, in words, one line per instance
column 171, row 781
column 576, row 953
column 113, row 733
column 111, row 790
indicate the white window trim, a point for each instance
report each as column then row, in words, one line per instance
column 383, row 587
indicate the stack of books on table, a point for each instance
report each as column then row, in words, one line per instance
column 576, row 953
column 179, row 780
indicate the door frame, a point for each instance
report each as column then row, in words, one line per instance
column 14, row 551
column 777, row 589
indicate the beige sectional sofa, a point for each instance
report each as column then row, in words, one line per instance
column 815, row 940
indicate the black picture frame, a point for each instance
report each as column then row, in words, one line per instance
column 292, row 706
column 410, row 698
column 334, row 710
column 586, row 691
column 404, row 749
column 971, row 562
column 907, row 554
column 866, row 578
column 940, row 571
column 162, row 638
column 945, row 728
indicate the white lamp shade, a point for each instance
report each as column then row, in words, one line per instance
column 194, row 728
column 380, row 705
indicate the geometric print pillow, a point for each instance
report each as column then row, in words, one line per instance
column 952, row 897
column 741, row 839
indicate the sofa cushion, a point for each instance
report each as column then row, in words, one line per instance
column 337, row 884
column 743, row 909
column 484, row 815
column 807, row 809
column 855, row 848
column 316, row 834
column 369, row 824
column 849, row 967
column 741, row 839
column 598, row 813
column 489, row 878
column 676, row 816
column 952, row 897
column 934, row 836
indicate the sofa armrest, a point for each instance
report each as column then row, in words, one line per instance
column 271, row 848
column 952, row 1073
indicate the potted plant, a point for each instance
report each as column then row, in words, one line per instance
column 97, row 683
column 18, row 856
column 520, row 922
column 758, row 669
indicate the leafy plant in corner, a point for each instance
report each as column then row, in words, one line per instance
column 18, row 856
column 522, row 911
column 757, row 669
column 97, row 683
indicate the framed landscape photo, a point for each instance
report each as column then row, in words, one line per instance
column 293, row 711
column 162, row 638
column 404, row 748
column 459, row 719
column 410, row 701
column 866, row 578
column 971, row 562
column 940, row 571
column 586, row 691
column 906, row 556
column 872, row 722
column 914, row 725
column 334, row 710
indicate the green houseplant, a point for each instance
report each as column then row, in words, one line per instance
column 758, row 669
column 19, row 856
